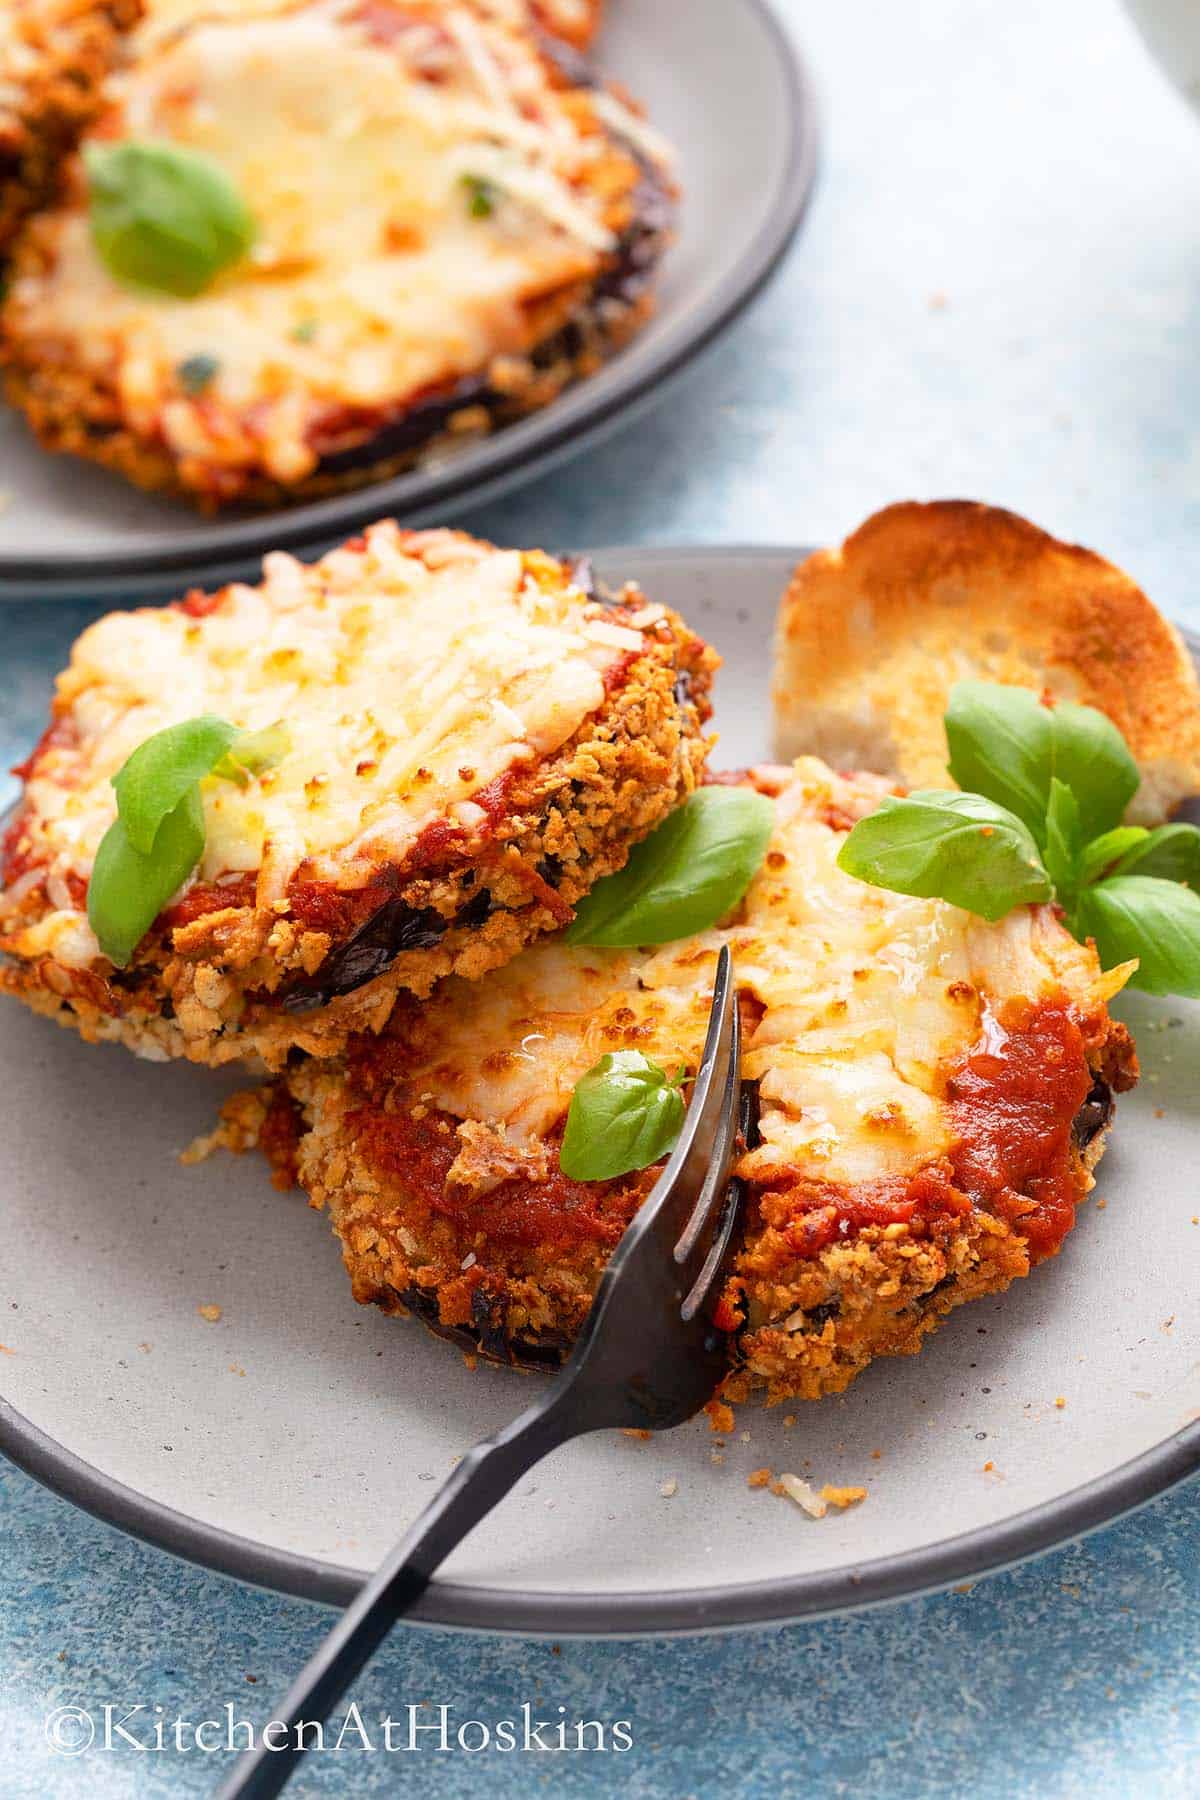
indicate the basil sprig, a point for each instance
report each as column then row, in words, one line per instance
column 129, row 887
column 947, row 846
column 1006, row 744
column 158, row 836
column 625, row 1114
column 1047, row 787
column 163, row 770
column 682, row 878
column 164, row 218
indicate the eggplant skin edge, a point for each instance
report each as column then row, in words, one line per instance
column 69, row 411
column 487, row 1337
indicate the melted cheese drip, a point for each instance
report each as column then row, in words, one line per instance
column 355, row 145
column 868, row 997
column 412, row 674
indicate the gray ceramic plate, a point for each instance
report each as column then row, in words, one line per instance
column 292, row 1441
column 721, row 80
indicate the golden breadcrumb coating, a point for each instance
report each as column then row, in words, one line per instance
column 930, row 1094
column 453, row 223
column 54, row 56
column 475, row 738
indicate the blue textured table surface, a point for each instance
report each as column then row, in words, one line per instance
column 996, row 295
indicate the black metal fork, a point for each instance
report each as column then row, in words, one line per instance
column 648, row 1358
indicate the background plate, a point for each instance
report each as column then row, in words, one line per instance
column 722, row 81
column 293, row 1440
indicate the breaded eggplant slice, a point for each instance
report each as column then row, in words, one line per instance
column 475, row 738
column 452, row 225
column 54, row 56
column 872, row 636
column 930, row 1094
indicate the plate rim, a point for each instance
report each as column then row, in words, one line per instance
column 520, row 451
column 675, row 1612
column 463, row 1606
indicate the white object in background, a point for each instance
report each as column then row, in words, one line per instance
column 1171, row 30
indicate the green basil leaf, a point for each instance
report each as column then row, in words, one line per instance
column 159, row 773
column 1156, row 921
column 1171, row 853
column 1000, row 746
column 1093, row 759
column 948, row 846
column 1005, row 744
column 625, row 1114
column 252, row 752
column 1108, row 849
column 482, row 196
column 684, row 876
column 1061, row 854
column 163, row 217
column 128, row 889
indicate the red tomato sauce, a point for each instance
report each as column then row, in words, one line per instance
column 811, row 1215
column 1014, row 1104
column 555, row 1214
column 209, row 897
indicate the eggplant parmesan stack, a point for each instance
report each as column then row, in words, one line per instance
column 930, row 1095
column 447, row 223
column 54, row 56
column 471, row 737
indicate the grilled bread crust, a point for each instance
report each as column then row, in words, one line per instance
column 931, row 1095
column 872, row 637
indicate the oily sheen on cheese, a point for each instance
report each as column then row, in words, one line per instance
column 926, row 1096
column 866, row 998
column 473, row 738
column 409, row 690
column 427, row 201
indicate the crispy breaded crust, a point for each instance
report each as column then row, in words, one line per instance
column 74, row 412
column 224, row 985
column 297, row 423
column 810, row 1327
column 443, row 1184
column 872, row 637
column 802, row 1325
column 62, row 51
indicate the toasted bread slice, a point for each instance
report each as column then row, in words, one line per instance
column 872, row 637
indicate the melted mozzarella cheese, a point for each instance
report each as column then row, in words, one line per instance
column 411, row 675
column 866, row 998
column 358, row 138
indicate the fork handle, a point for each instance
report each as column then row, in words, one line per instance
column 482, row 1479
